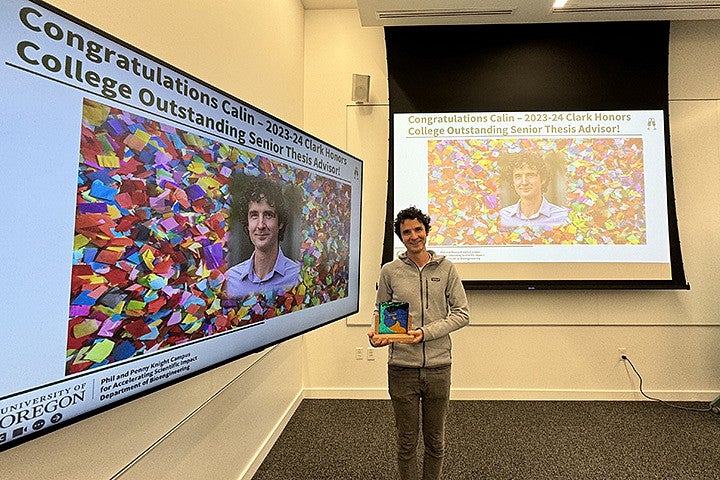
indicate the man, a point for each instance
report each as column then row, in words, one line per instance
column 529, row 174
column 419, row 369
column 264, row 218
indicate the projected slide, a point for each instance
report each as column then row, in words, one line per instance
column 158, row 226
column 567, row 188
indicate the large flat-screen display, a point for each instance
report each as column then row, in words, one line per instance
column 155, row 226
column 543, row 162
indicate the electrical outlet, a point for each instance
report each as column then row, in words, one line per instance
column 622, row 352
column 358, row 353
column 370, row 353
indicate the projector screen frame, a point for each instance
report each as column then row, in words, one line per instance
column 464, row 79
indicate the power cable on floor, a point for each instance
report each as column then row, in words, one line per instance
column 625, row 358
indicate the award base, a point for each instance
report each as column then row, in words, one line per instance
column 393, row 337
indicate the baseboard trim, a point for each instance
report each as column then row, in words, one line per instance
column 580, row 395
column 348, row 393
column 522, row 394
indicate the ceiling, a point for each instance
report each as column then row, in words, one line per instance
column 457, row 12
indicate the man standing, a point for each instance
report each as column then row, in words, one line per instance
column 264, row 218
column 419, row 369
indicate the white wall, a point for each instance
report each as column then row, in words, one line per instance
column 299, row 68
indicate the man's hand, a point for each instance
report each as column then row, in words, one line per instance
column 417, row 336
column 376, row 341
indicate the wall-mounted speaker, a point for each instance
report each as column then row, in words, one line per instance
column 360, row 88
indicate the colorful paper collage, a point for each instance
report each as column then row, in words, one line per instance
column 150, row 239
column 605, row 192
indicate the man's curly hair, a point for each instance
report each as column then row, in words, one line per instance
column 409, row 214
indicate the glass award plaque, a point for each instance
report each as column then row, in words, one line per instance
column 393, row 321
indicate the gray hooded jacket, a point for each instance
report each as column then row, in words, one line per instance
column 438, row 306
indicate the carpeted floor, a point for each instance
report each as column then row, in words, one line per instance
column 354, row 439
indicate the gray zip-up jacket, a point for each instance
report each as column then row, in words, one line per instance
column 438, row 306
